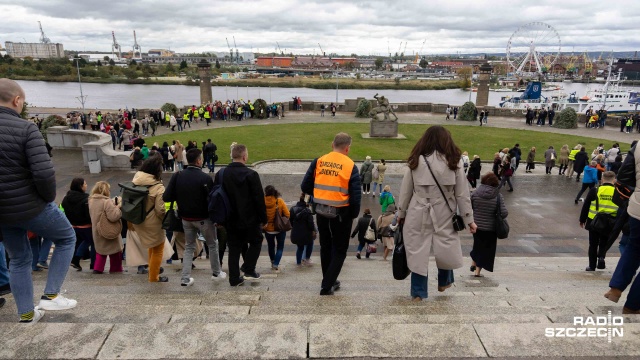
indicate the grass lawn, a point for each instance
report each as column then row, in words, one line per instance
column 308, row 141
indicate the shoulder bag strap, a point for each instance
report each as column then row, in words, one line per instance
column 437, row 183
column 498, row 210
column 370, row 221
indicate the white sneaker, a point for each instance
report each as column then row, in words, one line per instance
column 187, row 282
column 37, row 315
column 220, row 276
column 59, row 303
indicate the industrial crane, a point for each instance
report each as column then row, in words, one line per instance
column 321, row 51
column 137, row 50
column 115, row 46
column 43, row 38
column 230, row 51
column 399, row 47
column 405, row 48
column 237, row 53
column 279, row 49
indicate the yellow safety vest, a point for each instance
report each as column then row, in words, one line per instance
column 201, row 111
column 333, row 172
column 167, row 117
column 185, row 117
column 207, row 115
column 605, row 205
column 572, row 154
column 629, row 123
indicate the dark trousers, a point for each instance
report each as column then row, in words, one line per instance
column 585, row 186
column 597, row 247
column 84, row 245
column 334, row 243
column 627, row 267
column 237, row 240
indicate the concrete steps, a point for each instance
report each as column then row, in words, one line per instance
column 505, row 314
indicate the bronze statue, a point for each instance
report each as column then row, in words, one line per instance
column 383, row 107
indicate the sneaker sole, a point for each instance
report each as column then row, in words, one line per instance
column 56, row 307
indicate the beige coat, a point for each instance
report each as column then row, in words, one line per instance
column 381, row 170
column 385, row 220
column 97, row 205
column 150, row 231
column 179, row 149
column 137, row 254
column 427, row 217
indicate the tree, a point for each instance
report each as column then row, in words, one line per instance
column 363, row 108
column 169, row 68
column 424, row 63
column 130, row 73
column 379, row 62
column 170, row 108
column 465, row 74
column 467, row 112
column 183, row 64
column 106, row 58
column 111, row 62
column 25, row 110
column 217, row 64
column 133, row 63
column 98, row 63
column 568, row 119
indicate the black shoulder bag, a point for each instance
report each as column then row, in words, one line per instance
column 458, row 222
column 501, row 225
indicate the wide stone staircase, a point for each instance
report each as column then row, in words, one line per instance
column 503, row 315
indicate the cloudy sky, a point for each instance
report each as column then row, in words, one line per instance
column 342, row 27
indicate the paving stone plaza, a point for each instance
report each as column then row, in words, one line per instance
column 539, row 283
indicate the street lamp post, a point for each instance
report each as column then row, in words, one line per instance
column 81, row 98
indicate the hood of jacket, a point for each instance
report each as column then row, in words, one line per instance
column 144, row 179
column 75, row 197
column 486, row 192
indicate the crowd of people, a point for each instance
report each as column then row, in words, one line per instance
column 439, row 197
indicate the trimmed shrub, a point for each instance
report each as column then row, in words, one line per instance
column 260, row 109
column 467, row 112
column 170, row 108
column 567, row 119
column 363, row 108
column 52, row 120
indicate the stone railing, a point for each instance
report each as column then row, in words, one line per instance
column 94, row 145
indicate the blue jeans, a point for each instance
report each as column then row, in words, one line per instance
column 275, row 253
column 419, row 282
column 624, row 240
column 628, row 266
column 179, row 125
column 52, row 224
column 45, row 249
column 85, row 246
column 4, row 272
column 303, row 250
column 375, row 185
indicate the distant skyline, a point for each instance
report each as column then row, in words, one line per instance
column 341, row 27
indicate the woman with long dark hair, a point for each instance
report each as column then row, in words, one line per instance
column 427, row 214
column 76, row 209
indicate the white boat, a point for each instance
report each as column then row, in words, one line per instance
column 531, row 98
column 502, row 90
column 610, row 97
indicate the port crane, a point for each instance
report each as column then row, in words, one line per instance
column 321, row 51
column 137, row 50
column 230, row 51
column 419, row 52
column 279, row 49
column 237, row 53
column 405, row 48
column 43, row 38
column 115, row 46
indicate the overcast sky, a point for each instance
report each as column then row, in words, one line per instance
column 342, row 27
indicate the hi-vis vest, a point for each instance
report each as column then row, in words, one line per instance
column 629, row 123
column 333, row 172
column 201, row 111
column 167, row 117
column 572, row 154
column 185, row 117
column 605, row 205
column 207, row 115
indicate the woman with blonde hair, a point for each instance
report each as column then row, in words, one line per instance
column 563, row 159
column 100, row 204
column 434, row 189
column 150, row 232
column 179, row 155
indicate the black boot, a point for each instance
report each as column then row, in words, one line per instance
column 601, row 264
column 75, row 263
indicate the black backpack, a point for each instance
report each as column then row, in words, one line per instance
column 218, row 202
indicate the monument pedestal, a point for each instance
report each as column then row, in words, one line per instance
column 387, row 129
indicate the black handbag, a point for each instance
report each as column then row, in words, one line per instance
column 501, row 224
column 399, row 264
column 602, row 223
column 458, row 222
column 171, row 221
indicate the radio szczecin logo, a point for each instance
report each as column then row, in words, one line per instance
column 590, row 327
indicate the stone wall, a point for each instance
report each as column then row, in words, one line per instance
column 94, row 145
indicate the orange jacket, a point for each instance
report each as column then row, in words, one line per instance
column 270, row 202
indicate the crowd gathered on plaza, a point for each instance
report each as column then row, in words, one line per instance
column 232, row 211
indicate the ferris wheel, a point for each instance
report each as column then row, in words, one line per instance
column 533, row 49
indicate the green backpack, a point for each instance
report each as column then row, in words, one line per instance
column 134, row 202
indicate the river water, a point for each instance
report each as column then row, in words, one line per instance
column 115, row 96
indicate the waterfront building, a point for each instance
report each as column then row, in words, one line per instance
column 34, row 50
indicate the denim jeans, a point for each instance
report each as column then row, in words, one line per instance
column 179, row 125
column 304, row 250
column 86, row 246
column 375, row 185
column 45, row 249
column 52, row 224
column 419, row 282
column 275, row 250
column 208, row 230
column 622, row 246
column 4, row 272
column 628, row 266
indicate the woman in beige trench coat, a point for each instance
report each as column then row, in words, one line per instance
column 425, row 214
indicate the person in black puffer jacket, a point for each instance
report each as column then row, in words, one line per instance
column 76, row 208
column 582, row 160
column 366, row 221
column 484, row 202
column 303, row 231
column 27, row 192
